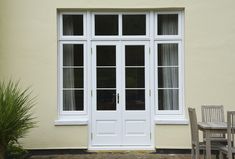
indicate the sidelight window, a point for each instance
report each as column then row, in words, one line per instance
column 169, row 66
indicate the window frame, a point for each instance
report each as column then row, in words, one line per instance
column 168, row 112
column 147, row 25
column 170, row 116
column 119, row 36
column 169, row 37
column 72, row 114
column 72, row 37
column 100, row 37
column 146, row 67
column 160, row 117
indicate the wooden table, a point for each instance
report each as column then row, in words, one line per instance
column 208, row 128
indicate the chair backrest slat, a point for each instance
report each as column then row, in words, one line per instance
column 193, row 125
column 230, row 131
column 213, row 113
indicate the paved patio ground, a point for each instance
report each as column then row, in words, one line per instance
column 116, row 155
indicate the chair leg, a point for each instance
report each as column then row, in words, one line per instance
column 221, row 155
column 217, row 155
column 197, row 152
column 204, row 154
column 193, row 152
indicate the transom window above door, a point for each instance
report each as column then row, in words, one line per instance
column 105, row 25
column 120, row 24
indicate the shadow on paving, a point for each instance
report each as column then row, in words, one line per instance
column 115, row 155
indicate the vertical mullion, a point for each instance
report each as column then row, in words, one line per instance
column 152, row 96
column 179, row 25
column 153, row 99
column 60, row 26
column 88, row 87
column 146, row 75
column 84, row 77
column 61, row 96
column 156, row 69
column 180, row 73
column 120, row 25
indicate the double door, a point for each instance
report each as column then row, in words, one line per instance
column 120, row 100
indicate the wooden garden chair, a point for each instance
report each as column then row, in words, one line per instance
column 196, row 145
column 214, row 113
column 229, row 150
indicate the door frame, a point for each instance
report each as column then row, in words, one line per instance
column 87, row 38
column 116, row 112
column 149, row 97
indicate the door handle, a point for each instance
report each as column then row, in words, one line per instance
column 118, row 98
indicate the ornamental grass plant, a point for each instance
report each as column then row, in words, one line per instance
column 15, row 114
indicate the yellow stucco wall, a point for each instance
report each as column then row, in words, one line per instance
column 28, row 51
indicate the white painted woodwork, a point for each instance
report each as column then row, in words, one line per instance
column 121, row 127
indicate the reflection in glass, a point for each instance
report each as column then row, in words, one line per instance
column 72, row 24
column 106, row 24
column 106, row 78
column 72, row 77
column 134, row 55
column 167, row 54
column 134, row 24
column 106, row 99
column 106, row 55
column 168, row 24
column 73, row 100
column 168, row 99
column 135, row 78
column 72, row 54
column 168, row 77
column 135, row 99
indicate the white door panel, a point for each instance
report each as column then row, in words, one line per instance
column 120, row 105
column 136, row 129
column 136, row 114
column 106, row 129
column 106, row 120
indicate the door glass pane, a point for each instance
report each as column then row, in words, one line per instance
column 106, row 99
column 106, row 78
column 106, row 55
column 73, row 77
column 135, row 78
column 167, row 54
column 168, row 99
column 72, row 100
column 134, row 24
column 168, row 24
column 73, row 25
column 106, row 24
column 168, row 77
column 135, row 99
column 72, row 54
column 134, row 55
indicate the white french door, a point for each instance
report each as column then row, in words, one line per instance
column 120, row 100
